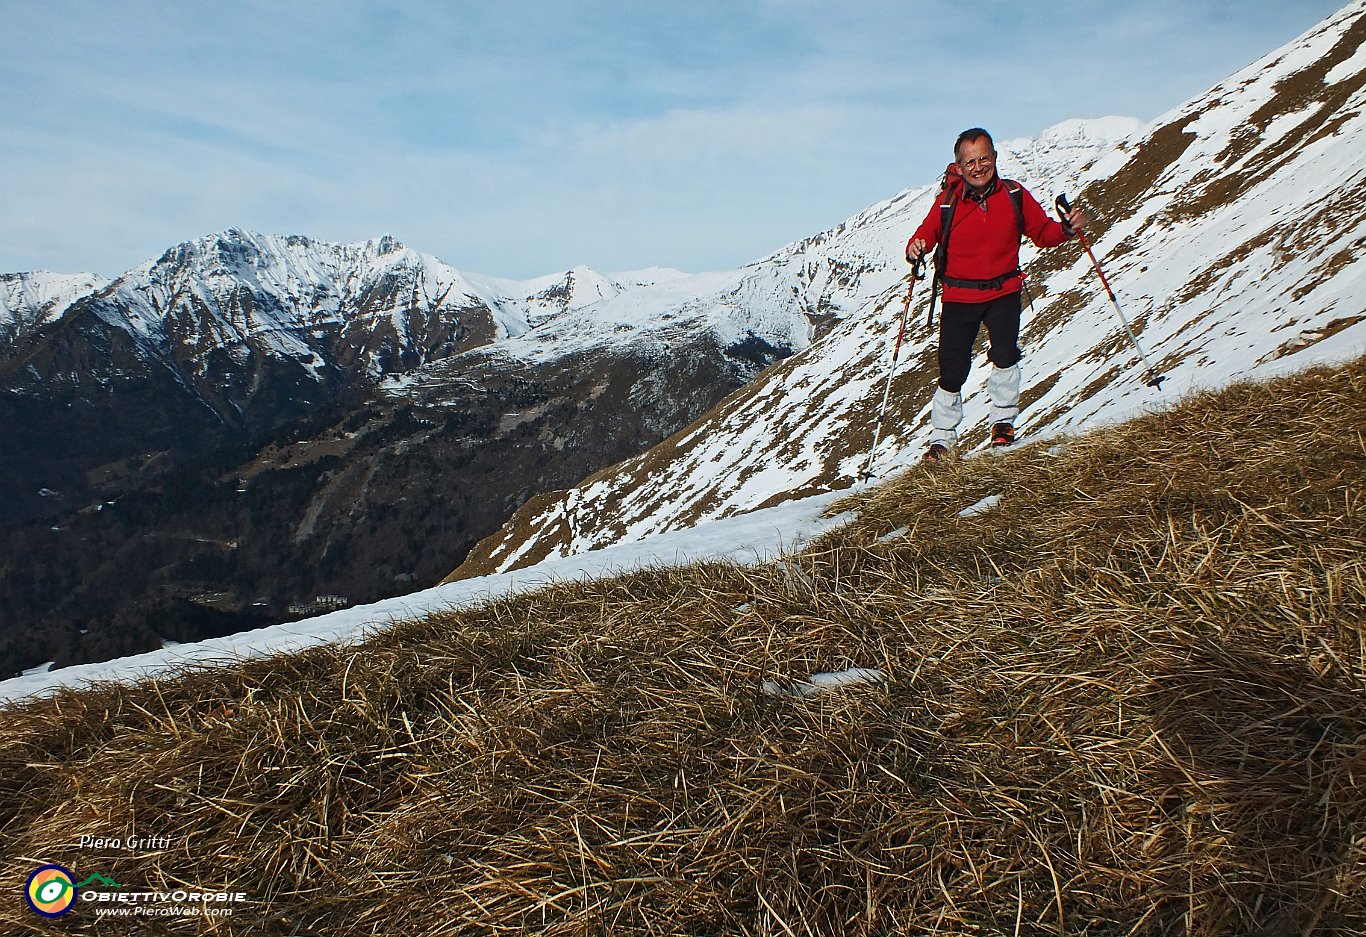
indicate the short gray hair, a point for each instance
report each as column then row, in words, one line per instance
column 972, row 133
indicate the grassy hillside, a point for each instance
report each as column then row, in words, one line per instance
column 1128, row 698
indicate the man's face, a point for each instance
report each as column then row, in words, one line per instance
column 977, row 160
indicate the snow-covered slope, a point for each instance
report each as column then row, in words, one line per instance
column 548, row 296
column 1232, row 228
column 30, row 300
column 584, row 320
column 732, row 306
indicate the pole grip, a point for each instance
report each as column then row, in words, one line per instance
column 1063, row 206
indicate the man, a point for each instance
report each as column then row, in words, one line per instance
column 979, row 267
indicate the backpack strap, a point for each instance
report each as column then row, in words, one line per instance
column 1016, row 193
column 948, row 203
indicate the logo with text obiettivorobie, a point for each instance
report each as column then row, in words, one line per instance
column 51, row 890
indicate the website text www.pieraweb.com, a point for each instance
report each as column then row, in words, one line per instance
column 181, row 903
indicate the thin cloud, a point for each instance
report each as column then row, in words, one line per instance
column 515, row 141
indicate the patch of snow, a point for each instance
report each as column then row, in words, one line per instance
column 981, row 507
column 1347, row 69
column 824, row 682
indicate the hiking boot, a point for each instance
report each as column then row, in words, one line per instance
column 1002, row 434
column 937, row 452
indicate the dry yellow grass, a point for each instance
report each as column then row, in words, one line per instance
column 1129, row 699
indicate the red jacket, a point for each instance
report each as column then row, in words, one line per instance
column 985, row 241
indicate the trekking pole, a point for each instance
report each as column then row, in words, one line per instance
column 934, row 293
column 917, row 266
column 1154, row 379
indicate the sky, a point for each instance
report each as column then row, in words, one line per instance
column 521, row 139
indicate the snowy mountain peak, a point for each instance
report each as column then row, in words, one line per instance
column 1073, row 145
column 582, row 286
column 256, row 327
column 1088, row 134
column 386, row 245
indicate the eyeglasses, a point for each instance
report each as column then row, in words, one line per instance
column 982, row 161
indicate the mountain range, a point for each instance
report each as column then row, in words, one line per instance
column 251, row 419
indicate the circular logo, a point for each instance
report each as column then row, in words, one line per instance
column 51, row 891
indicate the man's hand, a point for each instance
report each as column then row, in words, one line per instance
column 915, row 250
column 1077, row 220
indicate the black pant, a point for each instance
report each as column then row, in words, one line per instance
column 959, row 324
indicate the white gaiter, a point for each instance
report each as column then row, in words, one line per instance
column 1003, row 387
column 945, row 414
